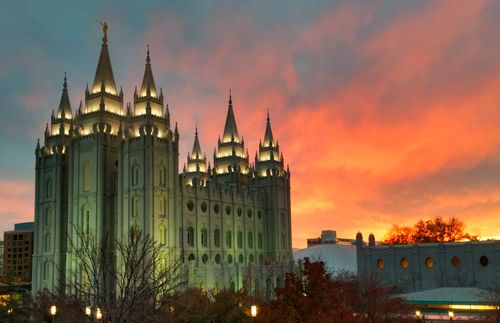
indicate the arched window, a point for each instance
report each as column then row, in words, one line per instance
column 240, row 239
column 46, row 242
column 163, row 176
column 190, row 236
column 47, row 216
column 217, row 238
column 87, row 176
column 135, row 207
column 163, row 235
column 46, row 269
column 86, row 219
column 161, row 206
column 204, row 238
column 229, row 239
column 259, row 240
column 48, row 188
column 250, row 240
column 135, row 175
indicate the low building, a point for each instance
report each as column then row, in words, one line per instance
column 338, row 254
column 18, row 251
column 416, row 267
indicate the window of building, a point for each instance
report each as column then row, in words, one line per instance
column 228, row 210
column 190, row 205
column 46, row 220
column 204, row 238
column 216, row 208
column 380, row 263
column 86, row 220
column 241, row 259
column 204, row 258
column 239, row 211
column 429, row 263
column 191, row 257
column 217, row 259
column 283, row 240
column 163, row 176
column 163, row 235
column 250, row 240
column 249, row 213
column 455, row 261
column 240, row 239
column 483, row 260
column 404, row 263
column 250, row 258
column 259, row 214
column 48, row 188
column 161, row 206
column 259, row 240
column 229, row 259
column 217, row 238
column 228, row 239
column 135, row 175
column 135, row 207
column 46, row 242
column 46, row 269
column 190, row 236
column 87, row 176
column 204, row 207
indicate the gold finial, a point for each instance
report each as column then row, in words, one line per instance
column 104, row 26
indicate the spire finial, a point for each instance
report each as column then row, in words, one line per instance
column 104, row 26
column 268, row 119
column 230, row 98
column 196, row 130
column 65, row 84
column 148, row 60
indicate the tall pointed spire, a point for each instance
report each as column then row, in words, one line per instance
column 148, row 78
column 196, row 153
column 104, row 72
column 64, row 104
column 230, row 130
column 268, row 137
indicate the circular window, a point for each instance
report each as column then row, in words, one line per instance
column 249, row 213
column 484, row 261
column 204, row 207
column 228, row 210
column 259, row 214
column 216, row 208
column 429, row 263
column 217, row 259
column 261, row 259
column 204, row 258
column 239, row 211
column 240, row 259
column 404, row 263
column 191, row 257
column 455, row 261
column 229, row 259
column 190, row 205
column 250, row 258
column 380, row 263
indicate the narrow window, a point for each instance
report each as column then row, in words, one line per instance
column 228, row 239
column 48, row 188
column 46, row 242
column 217, row 238
column 161, row 206
column 259, row 240
column 250, row 240
column 240, row 239
column 46, row 220
column 162, row 234
column 46, row 269
column 204, row 238
column 86, row 219
column 135, row 207
column 135, row 175
column 190, row 236
column 87, row 175
column 163, row 176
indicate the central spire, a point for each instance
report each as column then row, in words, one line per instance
column 230, row 130
column 148, row 78
column 104, row 72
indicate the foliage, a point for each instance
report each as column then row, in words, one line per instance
column 433, row 230
column 128, row 279
column 313, row 295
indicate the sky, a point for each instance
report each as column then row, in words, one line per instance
column 386, row 111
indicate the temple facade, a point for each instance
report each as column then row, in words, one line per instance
column 109, row 166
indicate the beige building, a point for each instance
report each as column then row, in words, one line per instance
column 17, row 253
column 112, row 165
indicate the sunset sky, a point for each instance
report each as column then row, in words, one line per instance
column 386, row 111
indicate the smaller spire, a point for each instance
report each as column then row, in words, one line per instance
column 268, row 137
column 64, row 110
column 148, row 59
column 196, row 153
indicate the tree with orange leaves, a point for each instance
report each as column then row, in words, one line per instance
column 433, row 230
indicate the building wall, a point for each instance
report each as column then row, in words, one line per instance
column 426, row 266
column 18, row 250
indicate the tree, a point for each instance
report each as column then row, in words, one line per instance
column 433, row 230
column 130, row 278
